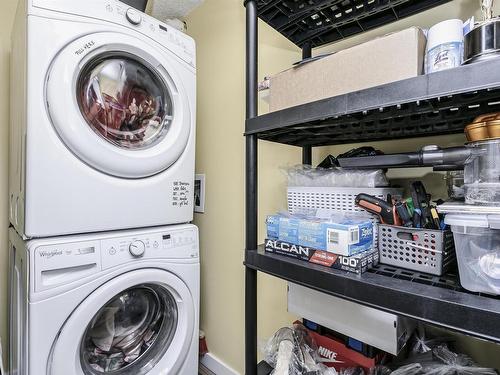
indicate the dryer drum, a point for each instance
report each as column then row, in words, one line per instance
column 131, row 333
column 124, row 101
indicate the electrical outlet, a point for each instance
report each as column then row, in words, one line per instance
column 199, row 193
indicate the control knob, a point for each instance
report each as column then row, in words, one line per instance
column 137, row 248
column 134, row 16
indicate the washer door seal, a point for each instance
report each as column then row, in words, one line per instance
column 127, row 114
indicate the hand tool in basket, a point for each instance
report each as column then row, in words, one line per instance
column 422, row 216
column 404, row 214
column 384, row 210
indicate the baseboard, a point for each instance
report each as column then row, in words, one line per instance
column 215, row 366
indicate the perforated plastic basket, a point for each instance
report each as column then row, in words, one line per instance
column 336, row 199
column 423, row 250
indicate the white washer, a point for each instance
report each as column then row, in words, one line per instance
column 117, row 303
column 102, row 119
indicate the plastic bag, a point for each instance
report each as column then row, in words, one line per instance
column 423, row 344
column 454, row 363
column 412, row 369
column 441, row 361
column 327, row 215
column 380, row 370
column 292, row 351
column 306, row 176
column 353, row 371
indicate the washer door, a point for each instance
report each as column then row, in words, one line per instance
column 135, row 323
column 117, row 103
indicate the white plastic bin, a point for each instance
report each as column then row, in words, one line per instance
column 477, row 243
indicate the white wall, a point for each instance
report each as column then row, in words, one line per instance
column 6, row 19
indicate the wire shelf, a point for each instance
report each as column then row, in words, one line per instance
column 324, row 21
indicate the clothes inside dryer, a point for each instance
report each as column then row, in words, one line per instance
column 131, row 333
column 124, row 101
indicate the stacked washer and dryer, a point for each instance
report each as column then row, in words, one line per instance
column 104, row 267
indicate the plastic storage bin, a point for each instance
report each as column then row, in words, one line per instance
column 477, row 242
column 421, row 250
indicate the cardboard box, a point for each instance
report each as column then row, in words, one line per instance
column 337, row 355
column 358, row 263
column 345, row 237
column 390, row 58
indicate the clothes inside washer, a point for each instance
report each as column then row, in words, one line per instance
column 123, row 330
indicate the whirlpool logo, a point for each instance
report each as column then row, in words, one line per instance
column 47, row 254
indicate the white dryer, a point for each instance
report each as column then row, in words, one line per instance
column 102, row 119
column 119, row 303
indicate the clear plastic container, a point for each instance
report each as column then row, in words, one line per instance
column 477, row 243
column 482, row 173
column 455, row 183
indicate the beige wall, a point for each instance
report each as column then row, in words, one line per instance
column 219, row 29
column 6, row 19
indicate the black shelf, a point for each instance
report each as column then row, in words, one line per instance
column 435, row 104
column 318, row 22
column 427, row 105
column 434, row 300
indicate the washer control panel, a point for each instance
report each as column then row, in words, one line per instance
column 63, row 263
column 182, row 244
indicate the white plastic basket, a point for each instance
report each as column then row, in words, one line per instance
column 337, row 199
column 334, row 198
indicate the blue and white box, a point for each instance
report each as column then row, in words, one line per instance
column 273, row 227
column 342, row 236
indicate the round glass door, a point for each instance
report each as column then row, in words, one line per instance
column 131, row 333
column 128, row 111
column 124, row 101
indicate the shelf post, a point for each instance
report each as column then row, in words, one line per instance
column 251, row 188
column 307, row 150
column 307, row 51
column 307, row 155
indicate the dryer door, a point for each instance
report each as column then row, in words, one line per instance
column 118, row 104
column 139, row 323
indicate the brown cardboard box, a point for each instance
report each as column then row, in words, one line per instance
column 390, row 58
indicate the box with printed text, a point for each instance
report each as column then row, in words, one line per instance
column 346, row 237
column 358, row 263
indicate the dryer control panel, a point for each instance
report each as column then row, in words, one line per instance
column 63, row 263
column 120, row 13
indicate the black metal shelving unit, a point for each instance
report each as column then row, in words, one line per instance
column 317, row 22
column 439, row 103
